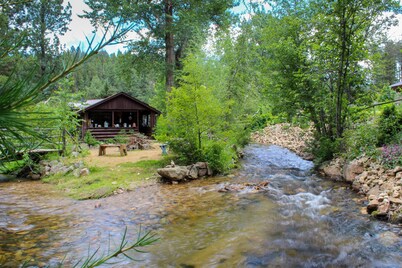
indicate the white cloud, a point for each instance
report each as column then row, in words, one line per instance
column 81, row 28
column 395, row 32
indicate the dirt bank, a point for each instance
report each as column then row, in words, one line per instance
column 113, row 158
column 288, row 136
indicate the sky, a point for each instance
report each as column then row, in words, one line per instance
column 82, row 28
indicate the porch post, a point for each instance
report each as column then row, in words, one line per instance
column 84, row 125
column 112, row 119
column 138, row 120
column 152, row 120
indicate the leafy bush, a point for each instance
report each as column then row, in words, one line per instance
column 186, row 151
column 361, row 140
column 260, row 120
column 219, row 157
column 324, row 149
column 390, row 126
column 90, row 140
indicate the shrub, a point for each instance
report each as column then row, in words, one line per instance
column 186, row 151
column 361, row 140
column 219, row 157
column 89, row 139
column 324, row 149
column 390, row 126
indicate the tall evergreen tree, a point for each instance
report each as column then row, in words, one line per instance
column 163, row 25
column 36, row 25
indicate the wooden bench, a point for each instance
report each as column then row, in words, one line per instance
column 122, row 148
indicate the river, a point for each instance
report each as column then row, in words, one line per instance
column 300, row 220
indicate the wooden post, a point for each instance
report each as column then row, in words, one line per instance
column 138, row 120
column 63, row 140
column 84, row 125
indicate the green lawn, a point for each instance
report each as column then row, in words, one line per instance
column 104, row 181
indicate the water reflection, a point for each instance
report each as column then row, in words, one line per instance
column 300, row 221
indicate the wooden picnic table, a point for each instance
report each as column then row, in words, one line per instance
column 122, row 148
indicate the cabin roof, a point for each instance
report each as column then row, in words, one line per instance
column 399, row 84
column 91, row 104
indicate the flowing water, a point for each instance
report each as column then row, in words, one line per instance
column 300, row 220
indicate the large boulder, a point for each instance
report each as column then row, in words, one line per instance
column 182, row 173
column 353, row 169
column 177, row 173
column 333, row 169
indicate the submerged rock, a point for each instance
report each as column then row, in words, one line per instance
column 245, row 187
column 5, row 178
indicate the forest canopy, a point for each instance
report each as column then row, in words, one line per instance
column 310, row 61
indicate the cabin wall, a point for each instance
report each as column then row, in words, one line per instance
column 120, row 103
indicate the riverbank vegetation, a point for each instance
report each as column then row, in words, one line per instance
column 103, row 181
column 216, row 74
column 218, row 70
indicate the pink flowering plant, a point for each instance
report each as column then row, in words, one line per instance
column 391, row 155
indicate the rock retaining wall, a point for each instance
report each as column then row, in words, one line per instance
column 47, row 168
column 381, row 186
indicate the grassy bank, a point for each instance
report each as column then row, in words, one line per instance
column 105, row 181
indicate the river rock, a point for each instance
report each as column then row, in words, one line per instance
column 245, row 187
column 174, row 173
column 193, row 172
column 395, row 200
column 352, row 169
column 372, row 206
column 375, row 191
column 177, row 173
column 397, row 169
column 203, row 169
column 388, row 238
column 383, row 208
column 35, row 176
column 5, row 178
column 332, row 171
column 84, row 172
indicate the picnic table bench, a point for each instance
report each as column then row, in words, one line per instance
column 122, row 148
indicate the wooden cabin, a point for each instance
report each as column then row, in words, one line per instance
column 117, row 114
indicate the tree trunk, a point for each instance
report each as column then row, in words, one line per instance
column 42, row 39
column 169, row 43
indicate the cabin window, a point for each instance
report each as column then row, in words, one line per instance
column 146, row 120
column 100, row 119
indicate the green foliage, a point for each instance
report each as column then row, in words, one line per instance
column 169, row 26
column 219, row 156
column 260, row 120
column 125, row 246
column 318, row 74
column 103, row 181
column 390, row 126
column 19, row 93
column 324, row 149
column 360, row 140
column 198, row 124
column 90, row 140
